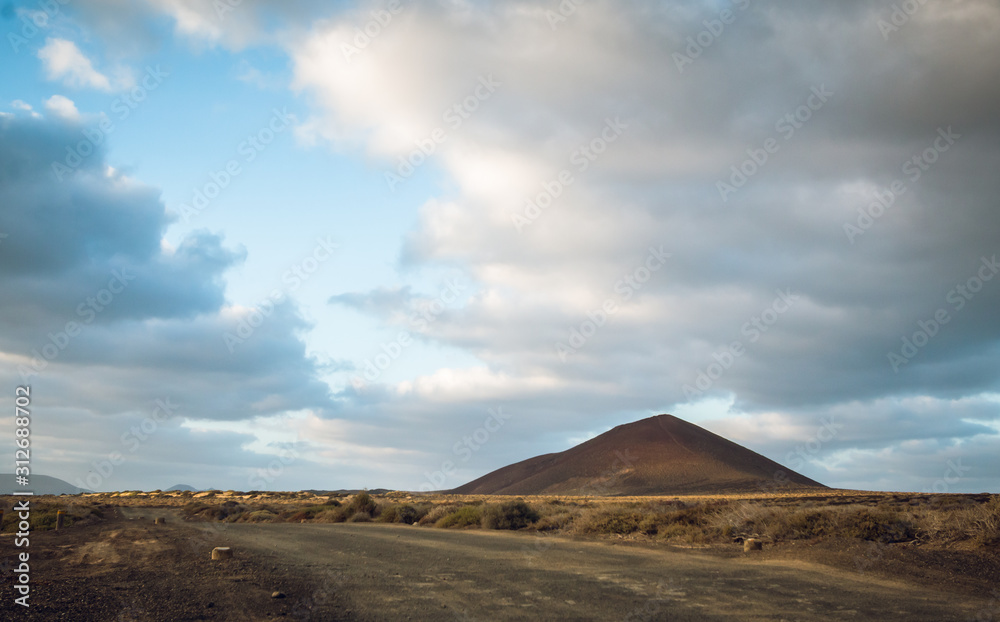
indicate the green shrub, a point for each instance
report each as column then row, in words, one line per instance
column 362, row 502
column 388, row 514
column 436, row 513
column 508, row 515
column 613, row 521
column 462, row 517
column 406, row 514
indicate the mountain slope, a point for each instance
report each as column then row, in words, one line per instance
column 658, row 455
column 39, row 484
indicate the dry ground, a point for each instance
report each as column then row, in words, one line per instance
column 111, row 565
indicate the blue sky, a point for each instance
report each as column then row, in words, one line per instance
column 776, row 222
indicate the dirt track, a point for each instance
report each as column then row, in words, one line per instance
column 134, row 570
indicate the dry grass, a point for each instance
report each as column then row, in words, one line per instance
column 964, row 521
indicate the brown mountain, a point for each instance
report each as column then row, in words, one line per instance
column 654, row 456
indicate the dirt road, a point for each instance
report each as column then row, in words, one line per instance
column 390, row 572
column 128, row 568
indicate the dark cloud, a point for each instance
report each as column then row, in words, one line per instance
column 100, row 318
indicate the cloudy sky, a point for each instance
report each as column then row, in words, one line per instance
column 400, row 244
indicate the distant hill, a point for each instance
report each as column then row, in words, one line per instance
column 345, row 491
column 39, row 484
column 658, row 455
column 182, row 488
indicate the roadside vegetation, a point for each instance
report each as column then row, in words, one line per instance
column 42, row 514
column 963, row 520
column 954, row 521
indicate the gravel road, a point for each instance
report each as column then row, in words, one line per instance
column 129, row 569
column 390, row 572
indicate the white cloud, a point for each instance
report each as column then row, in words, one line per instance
column 64, row 61
column 63, row 107
column 18, row 104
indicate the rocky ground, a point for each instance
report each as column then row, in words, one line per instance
column 126, row 567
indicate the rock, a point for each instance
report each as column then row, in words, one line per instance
column 159, row 521
column 278, row 595
column 751, row 544
column 222, row 552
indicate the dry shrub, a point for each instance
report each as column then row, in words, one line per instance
column 330, row 516
column 551, row 522
column 878, row 526
column 985, row 523
column 746, row 519
column 802, row 524
column 360, row 517
column 258, row 516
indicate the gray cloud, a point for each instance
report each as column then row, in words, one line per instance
column 99, row 317
column 882, row 104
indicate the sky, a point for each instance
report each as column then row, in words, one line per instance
column 259, row 245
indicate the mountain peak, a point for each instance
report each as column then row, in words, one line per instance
column 657, row 455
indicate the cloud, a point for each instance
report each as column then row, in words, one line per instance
column 760, row 160
column 772, row 266
column 103, row 318
column 62, row 106
column 131, row 27
column 64, row 61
